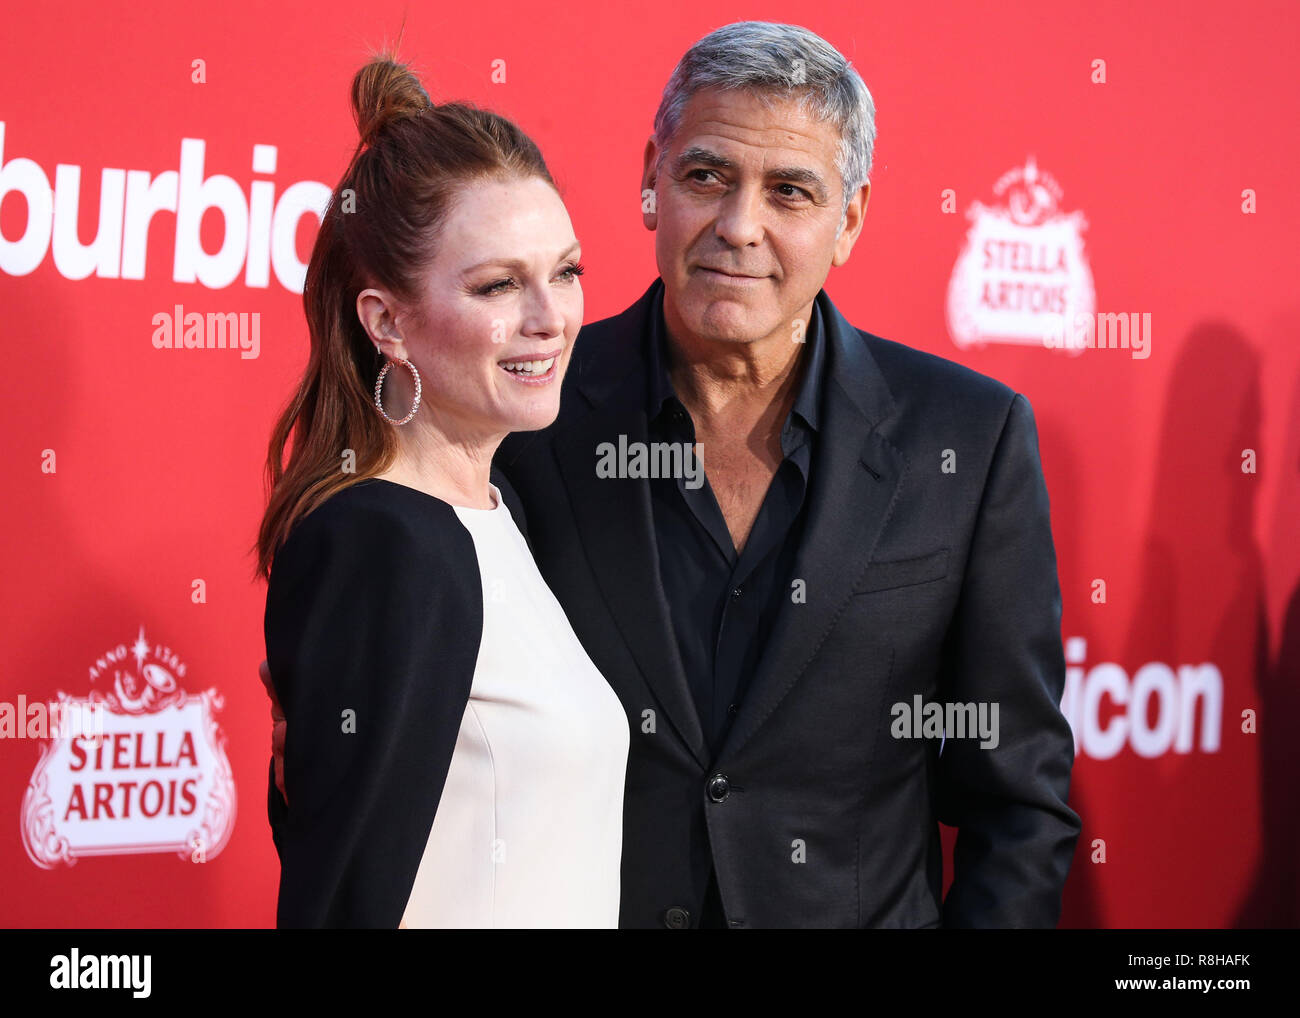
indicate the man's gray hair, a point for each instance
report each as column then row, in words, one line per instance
column 779, row 61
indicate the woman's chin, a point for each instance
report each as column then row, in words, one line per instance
column 539, row 413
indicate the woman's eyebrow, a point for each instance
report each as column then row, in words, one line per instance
column 516, row 263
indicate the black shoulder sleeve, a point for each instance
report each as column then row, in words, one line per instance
column 374, row 615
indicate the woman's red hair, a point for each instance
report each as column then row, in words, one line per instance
column 379, row 230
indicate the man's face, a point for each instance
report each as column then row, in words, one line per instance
column 747, row 214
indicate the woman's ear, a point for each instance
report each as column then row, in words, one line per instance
column 377, row 311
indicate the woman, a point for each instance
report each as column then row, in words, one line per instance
column 453, row 757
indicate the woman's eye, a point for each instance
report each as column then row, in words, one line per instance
column 572, row 272
column 498, row 287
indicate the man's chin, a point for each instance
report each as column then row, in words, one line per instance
column 729, row 321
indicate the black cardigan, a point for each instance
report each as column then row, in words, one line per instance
column 374, row 615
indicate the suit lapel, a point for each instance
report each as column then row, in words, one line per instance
column 854, row 478
column 615, row 520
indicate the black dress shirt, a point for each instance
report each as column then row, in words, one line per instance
column 722, row 604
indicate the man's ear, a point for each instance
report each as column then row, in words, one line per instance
column 377, row 311
column 649, row 179
column 854, row 216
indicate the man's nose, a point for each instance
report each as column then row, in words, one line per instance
column 740, row 221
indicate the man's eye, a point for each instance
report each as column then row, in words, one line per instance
column 695, row 175
column 795, row 192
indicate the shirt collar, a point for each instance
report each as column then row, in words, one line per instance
column 806, row 402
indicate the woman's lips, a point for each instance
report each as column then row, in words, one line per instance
column 531, row 370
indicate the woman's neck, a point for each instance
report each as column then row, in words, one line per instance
column 453, row 468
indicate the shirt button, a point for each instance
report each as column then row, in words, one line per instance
column 733, row 709
column 735, row 593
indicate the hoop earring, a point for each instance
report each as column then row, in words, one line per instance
column 379, row 388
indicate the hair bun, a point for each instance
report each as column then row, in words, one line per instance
column 385, row 91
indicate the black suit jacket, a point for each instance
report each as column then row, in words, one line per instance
column 916, row 581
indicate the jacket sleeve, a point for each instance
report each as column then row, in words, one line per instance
column 373, row 623
column 1016, row 833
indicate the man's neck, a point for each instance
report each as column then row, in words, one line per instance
column 729, row 384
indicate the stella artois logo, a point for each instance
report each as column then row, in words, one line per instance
column 1022, row 274
column 150, row 775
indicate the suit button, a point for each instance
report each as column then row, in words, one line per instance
column 677, row 918
column 719, row 787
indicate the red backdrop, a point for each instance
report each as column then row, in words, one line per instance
column 132, row 473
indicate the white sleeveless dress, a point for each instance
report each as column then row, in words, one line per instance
column 529, row 828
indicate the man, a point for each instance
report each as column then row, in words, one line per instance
column 869, row 538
